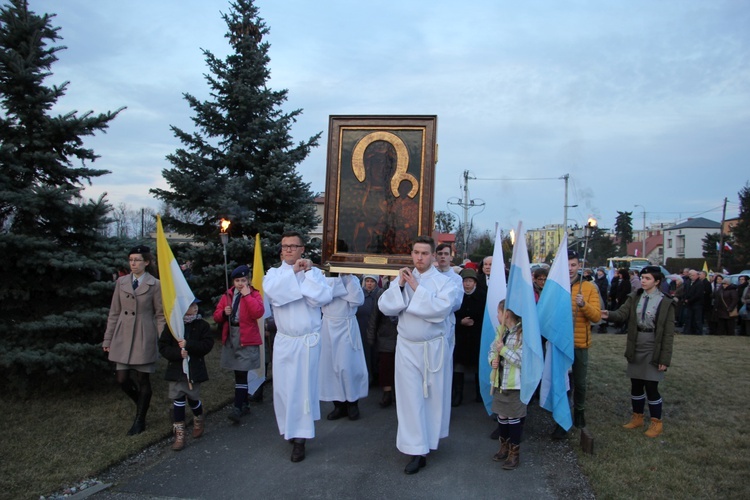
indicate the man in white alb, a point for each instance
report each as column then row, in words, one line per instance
column 296, row 292
column 343, row 375
column 423, row 302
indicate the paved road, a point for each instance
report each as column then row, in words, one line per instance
column 355, row 459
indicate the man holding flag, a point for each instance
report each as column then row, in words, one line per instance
column 556, row 321
column 586, row 309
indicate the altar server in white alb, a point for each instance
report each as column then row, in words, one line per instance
column 296, row 292
column 343, row 370
column 423, row 302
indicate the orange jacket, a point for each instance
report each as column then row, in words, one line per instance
column 591, row 312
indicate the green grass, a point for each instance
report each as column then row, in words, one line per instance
column 51, row 442
column 704, row 451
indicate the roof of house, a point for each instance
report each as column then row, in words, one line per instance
column 443, row 237
column 697, row 223
column 652, row 243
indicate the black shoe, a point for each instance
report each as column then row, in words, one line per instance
column 339, row 410
column 416, row 463
column 235, row 415
column 559, row 433
column 387, row 399
column 353, row 410
column 298, row 451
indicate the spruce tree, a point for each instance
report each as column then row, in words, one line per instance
column 741, row 232
column 240, row 162
column 55, row 274
column 624, row 230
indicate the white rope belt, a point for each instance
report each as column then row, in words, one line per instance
column 354, row 340
column 425, row 354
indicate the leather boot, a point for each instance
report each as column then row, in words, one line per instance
column 298, row 450
column 635, row 421
column 458, row 389
column 579, row 420
column 139, row 424
column 179, row 436
column 655, row 428
column 352, row 410
column 199, row 425
column 503, row 453
column 387, row 399
column 339, row 410
column 514, row 457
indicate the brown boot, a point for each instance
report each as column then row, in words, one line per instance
column 635, row 421
column 199, row 425
column 503, row 453
column 179, row 436
column 655, row 428
column 514, row 457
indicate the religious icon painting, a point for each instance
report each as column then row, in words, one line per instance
column 379, row 190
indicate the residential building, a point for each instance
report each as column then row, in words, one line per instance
column 544, row 241
column 317, row 233
column 685, row 240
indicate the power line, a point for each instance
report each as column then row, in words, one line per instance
column 517, row 179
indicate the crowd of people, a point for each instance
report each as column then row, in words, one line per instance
column 416, row 335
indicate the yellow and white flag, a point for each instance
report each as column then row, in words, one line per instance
column 176, row 295
column 255, row 378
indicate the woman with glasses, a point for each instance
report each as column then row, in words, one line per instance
column 133, row 326
column 650, row 327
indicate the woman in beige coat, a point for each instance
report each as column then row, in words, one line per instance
column 135, row 320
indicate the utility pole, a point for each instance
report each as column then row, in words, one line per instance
column 465, row 203
column 643, row 252
column 721, row 236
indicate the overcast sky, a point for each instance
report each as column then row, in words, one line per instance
column 641, row 102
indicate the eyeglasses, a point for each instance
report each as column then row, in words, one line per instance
column 291, row 247
column 135, row 260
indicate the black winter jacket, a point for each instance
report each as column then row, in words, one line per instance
column 200, row 341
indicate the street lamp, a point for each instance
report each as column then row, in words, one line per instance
column 224, row 240
column 644, row 229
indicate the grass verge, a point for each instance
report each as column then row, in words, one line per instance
column 704, row 451
column 50, row 442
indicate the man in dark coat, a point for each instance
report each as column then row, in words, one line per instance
column 693, row 304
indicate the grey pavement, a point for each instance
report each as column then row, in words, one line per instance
column 356, row 459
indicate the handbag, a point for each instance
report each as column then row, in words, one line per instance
column 733, row 313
